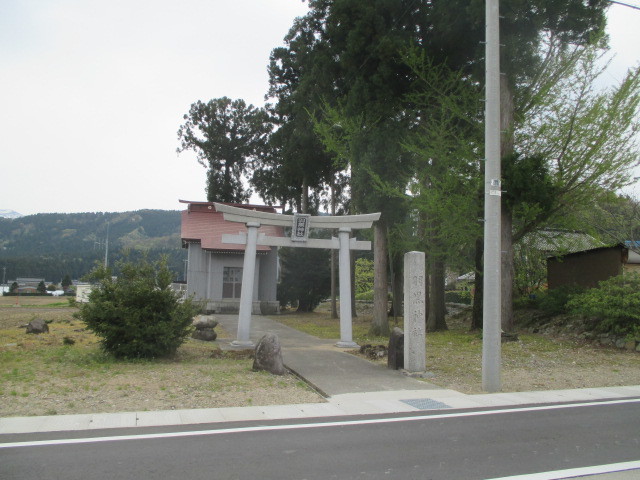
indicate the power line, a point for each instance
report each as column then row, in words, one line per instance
column 625, row 4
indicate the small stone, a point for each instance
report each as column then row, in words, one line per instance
column 395, row 358
column 630, row 345
column 268, row 355
column 508, row 337
column 37, row 326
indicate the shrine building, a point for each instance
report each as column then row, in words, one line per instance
column 214, row 268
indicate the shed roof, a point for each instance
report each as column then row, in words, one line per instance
column 556, row 242
column 203, row 224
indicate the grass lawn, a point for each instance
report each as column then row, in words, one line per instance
column 65, row 371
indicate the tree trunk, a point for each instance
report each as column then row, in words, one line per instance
column 304, row 201
column 354, row 312
column 380, row 324
column 437, row 308
column 397, row 288
column 334, row 308
column 507, row 121
column 427, row 290
column 508, row 270
column 476, row 316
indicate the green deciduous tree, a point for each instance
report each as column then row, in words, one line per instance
column 445, row 142
column 587, row 137
column 228, row 136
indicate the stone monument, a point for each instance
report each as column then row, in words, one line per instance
column 414, row 313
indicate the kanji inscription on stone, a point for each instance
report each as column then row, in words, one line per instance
column 414, row 312
column 300, row 227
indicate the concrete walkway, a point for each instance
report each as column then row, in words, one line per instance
column 353, row 386
column 329, row 369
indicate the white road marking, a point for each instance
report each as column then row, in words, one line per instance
column 575, row 472
column 301, row 426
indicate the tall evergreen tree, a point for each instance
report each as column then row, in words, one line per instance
column 297, row 166
column 227, row 137
column 363, row 43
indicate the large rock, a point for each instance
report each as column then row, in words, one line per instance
column 205, row 325
column 202, row 322
column 395, row 352
column 268, row 355
column 37, row 325
column 206, row 334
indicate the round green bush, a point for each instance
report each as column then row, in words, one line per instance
column 137, row 314
column 616, row 304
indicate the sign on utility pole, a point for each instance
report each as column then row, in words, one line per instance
column 492, row 304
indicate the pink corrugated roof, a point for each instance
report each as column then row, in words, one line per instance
column 202, row 223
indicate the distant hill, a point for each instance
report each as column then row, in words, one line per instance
column 52, row 245
column 10, row 214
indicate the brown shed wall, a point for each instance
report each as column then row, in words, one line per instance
column 585, row 268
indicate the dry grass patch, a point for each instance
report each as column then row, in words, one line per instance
column 45, row 375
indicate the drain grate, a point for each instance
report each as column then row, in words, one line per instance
column 425, row 404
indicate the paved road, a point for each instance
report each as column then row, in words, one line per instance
column 451, row 445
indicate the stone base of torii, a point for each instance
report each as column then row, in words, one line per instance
column 300, row 225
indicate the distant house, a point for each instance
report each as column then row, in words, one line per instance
column 28, row 289
column 82, row 292
column 29, row 282
column 633, row 262
column 588, row 267
column 214, row 269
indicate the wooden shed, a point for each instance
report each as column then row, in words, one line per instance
column 586, row 268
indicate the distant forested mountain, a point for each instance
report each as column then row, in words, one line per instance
column 52, row 245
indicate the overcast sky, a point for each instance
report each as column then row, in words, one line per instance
column 92, row 92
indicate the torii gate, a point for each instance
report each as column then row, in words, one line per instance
column 300, row 224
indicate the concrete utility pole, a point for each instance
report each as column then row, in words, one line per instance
column 106, row 247
column 492, row 305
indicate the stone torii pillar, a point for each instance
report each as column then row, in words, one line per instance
column 300, row 225
column 246, row 297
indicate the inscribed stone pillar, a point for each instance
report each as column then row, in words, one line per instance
column 414, row 312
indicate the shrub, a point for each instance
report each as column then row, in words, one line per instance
column 615, row 302
column 554, row 302
column 363, row 276
column 458, row 296
column 137, row 314
column 365, row 296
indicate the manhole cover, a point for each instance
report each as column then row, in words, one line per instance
column 425, row 404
